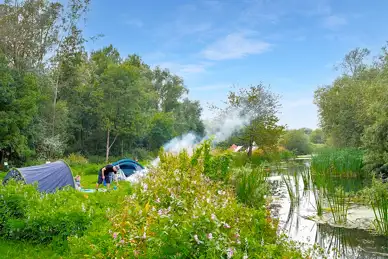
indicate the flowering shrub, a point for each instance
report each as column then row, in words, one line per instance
column 179, row 212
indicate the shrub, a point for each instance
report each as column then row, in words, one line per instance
column 40, row 218
column 76, row 159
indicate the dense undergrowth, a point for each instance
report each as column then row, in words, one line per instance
column 188, row 207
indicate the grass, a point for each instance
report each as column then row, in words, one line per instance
column 378, row 199
column 21, row 249
column 292, row 184
column 338, row 162
column 250, row 185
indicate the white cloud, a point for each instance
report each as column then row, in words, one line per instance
column 234, row 46
column 135, row 23
column 334, row 21
column 184, row 69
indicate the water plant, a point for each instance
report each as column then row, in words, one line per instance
column 338, row 201
column 305, row 173
column 250, row 185
column 338, row 162
column 377, row 196
column 292, row 184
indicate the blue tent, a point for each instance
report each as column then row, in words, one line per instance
column 128, row 166
column 50, row 177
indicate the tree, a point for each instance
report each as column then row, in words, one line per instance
column 18, row 107
column 297, row 141
column 317, row 137
column 257, row 107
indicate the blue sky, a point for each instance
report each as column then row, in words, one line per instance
column 291, row 45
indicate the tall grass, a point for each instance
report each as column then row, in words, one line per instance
column 338, row 201
column 305, row 173
column 338, row 162
column 251, row 186
column 378, row 198
column 292, row 184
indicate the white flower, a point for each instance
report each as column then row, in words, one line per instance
column 245, row 256
column 230, row 252
column 213, row 217
column 226, row 225
column 197, row 239
column 210, row 236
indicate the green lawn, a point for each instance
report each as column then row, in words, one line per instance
column 13, row 249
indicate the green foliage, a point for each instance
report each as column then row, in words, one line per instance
column 297, row 141
column 317, row 137
column 251, row 187
column 177, row 211
column 377, row 197
column 30, row 216
column 338, row 162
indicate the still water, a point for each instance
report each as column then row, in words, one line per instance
column 335, row 242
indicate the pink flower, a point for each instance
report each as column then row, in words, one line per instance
column 160, row 212
column 157, row 200
column 122, row 241
column 115, row 235
column 237, row 235
column 226, row 225
column 213, row 217
column 210, row 236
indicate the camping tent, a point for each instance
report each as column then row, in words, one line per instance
column 128, row 166
column 50, row 177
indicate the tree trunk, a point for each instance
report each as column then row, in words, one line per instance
column 55, row 103
column 250, row 146
column 107, row 146
column 122, row 148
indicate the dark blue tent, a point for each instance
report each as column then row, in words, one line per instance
column 128, row 166
column 50, row 177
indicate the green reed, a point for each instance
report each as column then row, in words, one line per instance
column 338, row 162
column 378, row 198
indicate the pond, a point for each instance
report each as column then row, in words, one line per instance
column 301, row 224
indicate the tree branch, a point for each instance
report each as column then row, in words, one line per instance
column 113, row 141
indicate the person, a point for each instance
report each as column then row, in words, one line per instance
column 77, row 181
column 104, row 174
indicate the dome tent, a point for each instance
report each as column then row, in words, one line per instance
column 128, row 166
column 50, row 177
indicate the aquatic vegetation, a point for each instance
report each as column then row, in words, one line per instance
column 377, row 196
column 250, row 185
column 338, row 162
column 338, row 201
column 305, row 173
column 292, row 184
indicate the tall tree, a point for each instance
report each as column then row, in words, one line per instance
column 258, row 106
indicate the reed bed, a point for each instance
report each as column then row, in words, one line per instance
column 378, row 199
column 338, row 162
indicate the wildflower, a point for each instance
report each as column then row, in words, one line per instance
column 160, row 212
column 115, row 235
column 145, row 186
column 197, row 239
column 237, row 235
column 157, row 200
column 226, row 225
column 122, row 241
column 230, row 252
column 245, row 256
column 210, row 236
column 207, row 200
column 213, row 217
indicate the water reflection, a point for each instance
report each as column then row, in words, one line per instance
column 336, row 242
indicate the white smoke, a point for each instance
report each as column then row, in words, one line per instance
column 220, row 129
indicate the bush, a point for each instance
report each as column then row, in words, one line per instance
column 28, row 215
column 76, row 159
